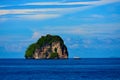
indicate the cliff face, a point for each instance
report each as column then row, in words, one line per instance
column 47, row 47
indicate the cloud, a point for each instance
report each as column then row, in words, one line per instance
column 46, row 13
column 38, row 16
column 36, row 11
column 2, row 6
column 103, row 2
column 68, row 39
column 99, row 2
column 59, row 3
column 97, row 16
column 93, row 17
column 36, row 35
column 15, row 11
column 88, row 4
column 87, row 43
column 13, row 48
column 74, row 46
column 3, row 19
column 86, row 30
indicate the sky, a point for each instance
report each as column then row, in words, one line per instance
column 89, row 28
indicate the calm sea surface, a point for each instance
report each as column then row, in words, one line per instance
column 71, row 69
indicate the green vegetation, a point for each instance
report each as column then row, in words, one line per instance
column 48, row 40
column 54, row 55
column 30, row 50
column 44, row 40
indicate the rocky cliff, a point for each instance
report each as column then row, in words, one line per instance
column 47, row 47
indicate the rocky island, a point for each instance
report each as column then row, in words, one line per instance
column 47, row 47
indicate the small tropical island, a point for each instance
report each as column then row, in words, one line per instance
column 47, row 47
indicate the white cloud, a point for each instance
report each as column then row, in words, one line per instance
column 103, row 2
column 42, row 3
column 13, row 48
column 97, row 16
column 3, row 19
column 59, row 3
column 28, row 11
column 86, row 30
column 2, row 6
column 37, row 11
column 99, row 2
column 38, row 16
column 55, row 12
column 87, row 5
column 87, row 43
column 15, row 11
column 68, row 39
column 36, row 35
column 74, row 46
column 94, row 17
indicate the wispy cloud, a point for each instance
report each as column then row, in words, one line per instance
column 28, row 11
column 36, row 35
column 88, row 30
column 3, row 19
column 2, row 6
column 74, row 46
column 38, row 16
column 19, row 11
column 99, row 2
column 97, row 16
column 53, row 11
column 59, row 3
column 13, row 48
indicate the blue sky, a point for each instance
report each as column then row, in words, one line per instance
column 90, row 28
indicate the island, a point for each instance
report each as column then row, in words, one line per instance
column 47, row 47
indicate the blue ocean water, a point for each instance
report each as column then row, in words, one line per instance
column 68, row 69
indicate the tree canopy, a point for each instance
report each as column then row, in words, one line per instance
column 44, row 40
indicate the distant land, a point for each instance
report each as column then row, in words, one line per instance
column 47, row 47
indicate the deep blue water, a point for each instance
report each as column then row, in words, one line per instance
column 82, row 69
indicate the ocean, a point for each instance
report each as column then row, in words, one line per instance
column 62, row 69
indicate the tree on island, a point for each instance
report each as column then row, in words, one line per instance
column 47, row 47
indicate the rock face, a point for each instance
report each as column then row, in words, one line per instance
column 47, row 47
